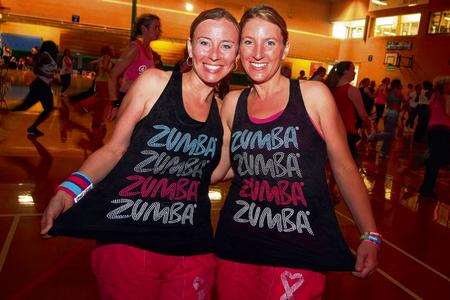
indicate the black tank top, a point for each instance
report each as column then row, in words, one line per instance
column 278, row 210
column 156, row 197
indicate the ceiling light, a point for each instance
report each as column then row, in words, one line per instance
column 379, row 2
column 189, row 6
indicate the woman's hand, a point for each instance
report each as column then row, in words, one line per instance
column 60, row 203
column 111, row 111
column 366, row 259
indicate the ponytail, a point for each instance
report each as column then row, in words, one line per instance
column 336, row 73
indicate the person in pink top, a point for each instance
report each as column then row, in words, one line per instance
column 438, row 135
column 381, row 99
column 134, row 61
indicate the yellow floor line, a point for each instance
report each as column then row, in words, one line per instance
column 7, row 244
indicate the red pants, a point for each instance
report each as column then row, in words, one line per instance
column 126, row 272
column 253, row 282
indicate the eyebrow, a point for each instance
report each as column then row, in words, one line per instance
column 222, row 41
column 252, row 38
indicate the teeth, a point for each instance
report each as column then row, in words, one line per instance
column 212, row 68
column 259, row 65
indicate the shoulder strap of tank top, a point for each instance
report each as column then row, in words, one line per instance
column 169, row 93
column 214, row 113
column 240, row 112
column 174, row 88
column 164, row 101
column 296, row 98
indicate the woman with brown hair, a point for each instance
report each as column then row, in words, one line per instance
column 348, row 101
column 277, row 230
column 134, row 61
column 149, row 207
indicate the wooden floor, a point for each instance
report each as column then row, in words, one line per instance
column 414, row 264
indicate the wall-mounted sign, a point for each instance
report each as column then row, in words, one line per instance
column 398, row 45
column 390, row 68
column 391, row 59
column 75, row 19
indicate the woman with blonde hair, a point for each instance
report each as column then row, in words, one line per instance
column 277, row 231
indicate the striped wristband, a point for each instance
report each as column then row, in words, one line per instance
column 76, row 186
column 373, row 237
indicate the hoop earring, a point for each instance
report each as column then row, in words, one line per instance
column 189, row 61
column 235, row 67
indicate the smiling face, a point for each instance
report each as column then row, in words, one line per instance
column 262, row 49
column 213, row 49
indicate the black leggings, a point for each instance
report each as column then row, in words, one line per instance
column 439, row 147
column 65, row 82
column 39, row 91
column 380, row 111
column 423, row 116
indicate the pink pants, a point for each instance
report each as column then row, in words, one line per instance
column 253, row 282
column 126, row 272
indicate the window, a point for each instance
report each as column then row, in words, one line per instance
column 386, row 26
column 439, row 22
column 349, row 29
column 397, row 25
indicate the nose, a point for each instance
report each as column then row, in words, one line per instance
column 258, row 51
column 215, row 53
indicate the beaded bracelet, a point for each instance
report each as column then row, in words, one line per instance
column 373, row 237
column 76, row 186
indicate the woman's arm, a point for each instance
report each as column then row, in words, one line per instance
column 223, row 170
column 324, row 113
column 125, row 60
column 355, row 96
column 101, row 162
column 137, row 104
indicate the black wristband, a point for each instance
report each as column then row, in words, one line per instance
column 116, row 103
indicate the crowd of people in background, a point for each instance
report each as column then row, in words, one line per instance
column 421, row 111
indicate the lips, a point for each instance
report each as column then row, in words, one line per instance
column 258, row 65
column 212, row 68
